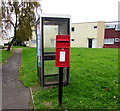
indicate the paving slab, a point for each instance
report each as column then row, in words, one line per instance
column 14, row 94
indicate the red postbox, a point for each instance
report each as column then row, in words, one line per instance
column 62, row 50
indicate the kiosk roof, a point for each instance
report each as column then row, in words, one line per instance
column 55, row 15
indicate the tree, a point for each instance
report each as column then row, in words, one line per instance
column 21, row 16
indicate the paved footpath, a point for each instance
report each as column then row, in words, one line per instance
column 14, row 95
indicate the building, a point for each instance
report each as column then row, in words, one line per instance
column 112, row 35
column 5, row 41
column 32, row 42
column 1, row 41
column 1, row 38
column 50, row 32
column 88, row 35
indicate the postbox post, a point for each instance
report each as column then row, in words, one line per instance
column 62, row 59
column 60, row 86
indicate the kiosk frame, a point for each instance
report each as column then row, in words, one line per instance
column 63, row 23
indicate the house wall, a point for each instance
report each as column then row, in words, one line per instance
column 32, row 42
column 50, row 32
column 112, row 34
column 84, row 31
column 100, row 34
column 1, row 42
column 1, row 38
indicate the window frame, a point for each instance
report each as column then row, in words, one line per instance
column 109, row 41
column 117, row 39
column 95, row 27
column 72, row 39
column 72, row 29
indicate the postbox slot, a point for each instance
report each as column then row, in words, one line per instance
column 63, row 40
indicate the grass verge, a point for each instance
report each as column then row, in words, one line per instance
column 93, row 80
column 4, row 55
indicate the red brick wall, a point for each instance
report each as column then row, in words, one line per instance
column 112, row 33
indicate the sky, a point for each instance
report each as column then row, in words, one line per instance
column 83, row 10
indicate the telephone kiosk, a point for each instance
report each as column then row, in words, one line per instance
column 53, row 48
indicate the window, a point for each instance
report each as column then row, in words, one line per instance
column 109, row 26
column 72, row 39
column 73, row 29
column 117, row 40
column 95, row 27
column 109, row 41
column 117, row 27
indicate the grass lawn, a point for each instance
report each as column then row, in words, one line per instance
column 93, row 80
column 4, row 55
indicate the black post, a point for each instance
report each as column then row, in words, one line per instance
column 60, row 86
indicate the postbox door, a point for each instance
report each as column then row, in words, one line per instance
column 62, row 50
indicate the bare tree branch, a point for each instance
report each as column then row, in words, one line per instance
column 20, row 15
